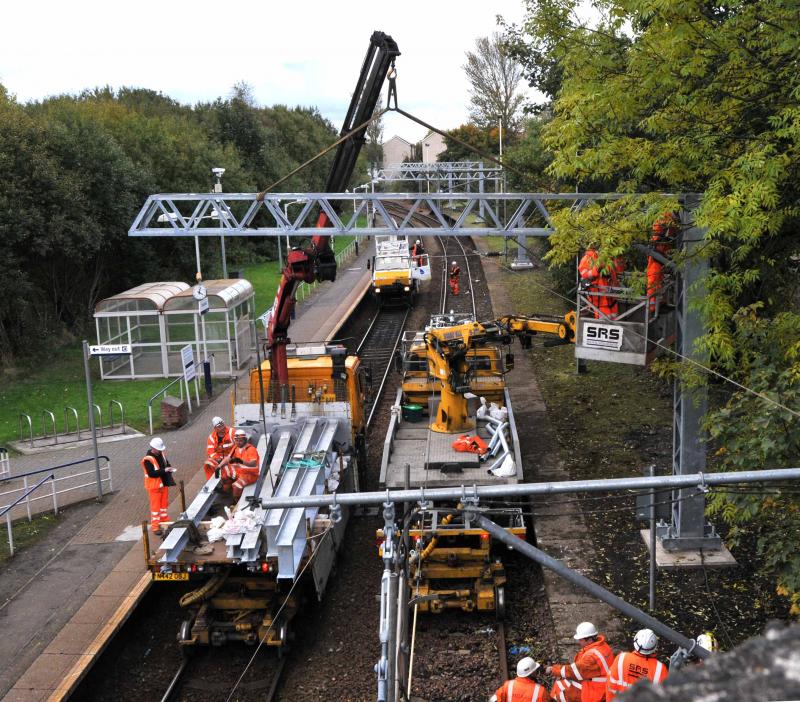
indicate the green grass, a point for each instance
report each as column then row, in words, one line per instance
column 60, row 382
column 25, row 533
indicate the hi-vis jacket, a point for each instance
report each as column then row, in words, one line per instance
column 521, row 690
column 590, row 669
column 154, row 468
column 629, row 668
column 219, row 447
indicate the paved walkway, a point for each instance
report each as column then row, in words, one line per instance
column 65, row 611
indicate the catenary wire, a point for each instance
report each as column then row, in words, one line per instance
column 277, row 614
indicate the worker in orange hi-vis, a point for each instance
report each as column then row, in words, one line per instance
column 598, row 280
column 524, row 687
column 665, row 233
column 218, row 446
column 418, row 251
column 585, row 678
column 454, row 274
column 629, row 667
column 241, row 467
column 157, row 481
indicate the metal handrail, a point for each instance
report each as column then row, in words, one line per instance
column 163, row 391
column 99, row 424
column 44, row 427
column 77, row 421
column 53, row 468
column 30, row 426
column 111, row 404
column 24, row 496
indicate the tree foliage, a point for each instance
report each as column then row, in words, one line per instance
column 78, row 168
column 373, row 149
column 686, row 96
column 494, row 77
column 485, row 139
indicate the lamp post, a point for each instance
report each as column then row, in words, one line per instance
column 218, row 172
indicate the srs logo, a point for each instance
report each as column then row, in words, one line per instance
column 602, row 336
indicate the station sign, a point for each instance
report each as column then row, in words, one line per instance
column 602, row 336
column 202, row 305
column 110, row 350
column 187, row 361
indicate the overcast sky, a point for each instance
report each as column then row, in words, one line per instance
column 295, row 52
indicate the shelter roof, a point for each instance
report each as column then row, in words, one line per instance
column 148, row 296
column 222, row 294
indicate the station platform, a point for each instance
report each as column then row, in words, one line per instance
column 61, row 614
column 320, row 317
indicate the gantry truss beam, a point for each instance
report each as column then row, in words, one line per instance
column 450, row 171
column 245, row 214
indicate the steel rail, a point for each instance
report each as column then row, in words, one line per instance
column 385, row 376
column 502, row 650
column 466, row 492
column 173, row 685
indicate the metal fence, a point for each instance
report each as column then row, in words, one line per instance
column 5, row 464
column 22, row 496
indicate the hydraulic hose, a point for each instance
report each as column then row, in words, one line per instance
column 208, row 590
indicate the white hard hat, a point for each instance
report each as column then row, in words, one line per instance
column 240, row 432
column 216, row 422
column 453, row 263
column 645, row 641
column 707, row 641
column 417, row 241
column 526, row 667
column 158, row 444
column 584, row 630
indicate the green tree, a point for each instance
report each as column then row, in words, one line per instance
column 494, row 77
column 487, row 140
column 681, row 96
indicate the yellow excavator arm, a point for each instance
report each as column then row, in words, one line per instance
column 447, row 349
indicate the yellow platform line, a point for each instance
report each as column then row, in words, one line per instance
column 99, row 643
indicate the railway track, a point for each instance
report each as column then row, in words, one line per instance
column 191, row 681
column 453, row 249
column 378, row 347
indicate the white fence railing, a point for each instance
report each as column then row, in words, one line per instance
column 22, row 494
column 5, row 464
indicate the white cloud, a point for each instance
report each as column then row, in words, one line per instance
column 300, row 52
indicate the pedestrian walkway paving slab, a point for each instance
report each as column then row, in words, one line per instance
column 321, row 316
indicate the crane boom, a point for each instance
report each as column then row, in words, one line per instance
column 317, row 261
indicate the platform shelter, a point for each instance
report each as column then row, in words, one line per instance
column 158, row 319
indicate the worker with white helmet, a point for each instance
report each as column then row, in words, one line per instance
column 157, row 481
column 523, row 688
column 241, row 467
column 585, row 678
column 218, row 446
column 453, row 276
column 631, row 666
column 418, row 251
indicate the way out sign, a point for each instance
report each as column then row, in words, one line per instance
column 110, row 350
column 187, row 361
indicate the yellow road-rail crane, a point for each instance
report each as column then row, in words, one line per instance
column 453, row 563
column 448, row 350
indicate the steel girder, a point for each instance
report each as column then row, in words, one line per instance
column 246, row 214
column 450, row 171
